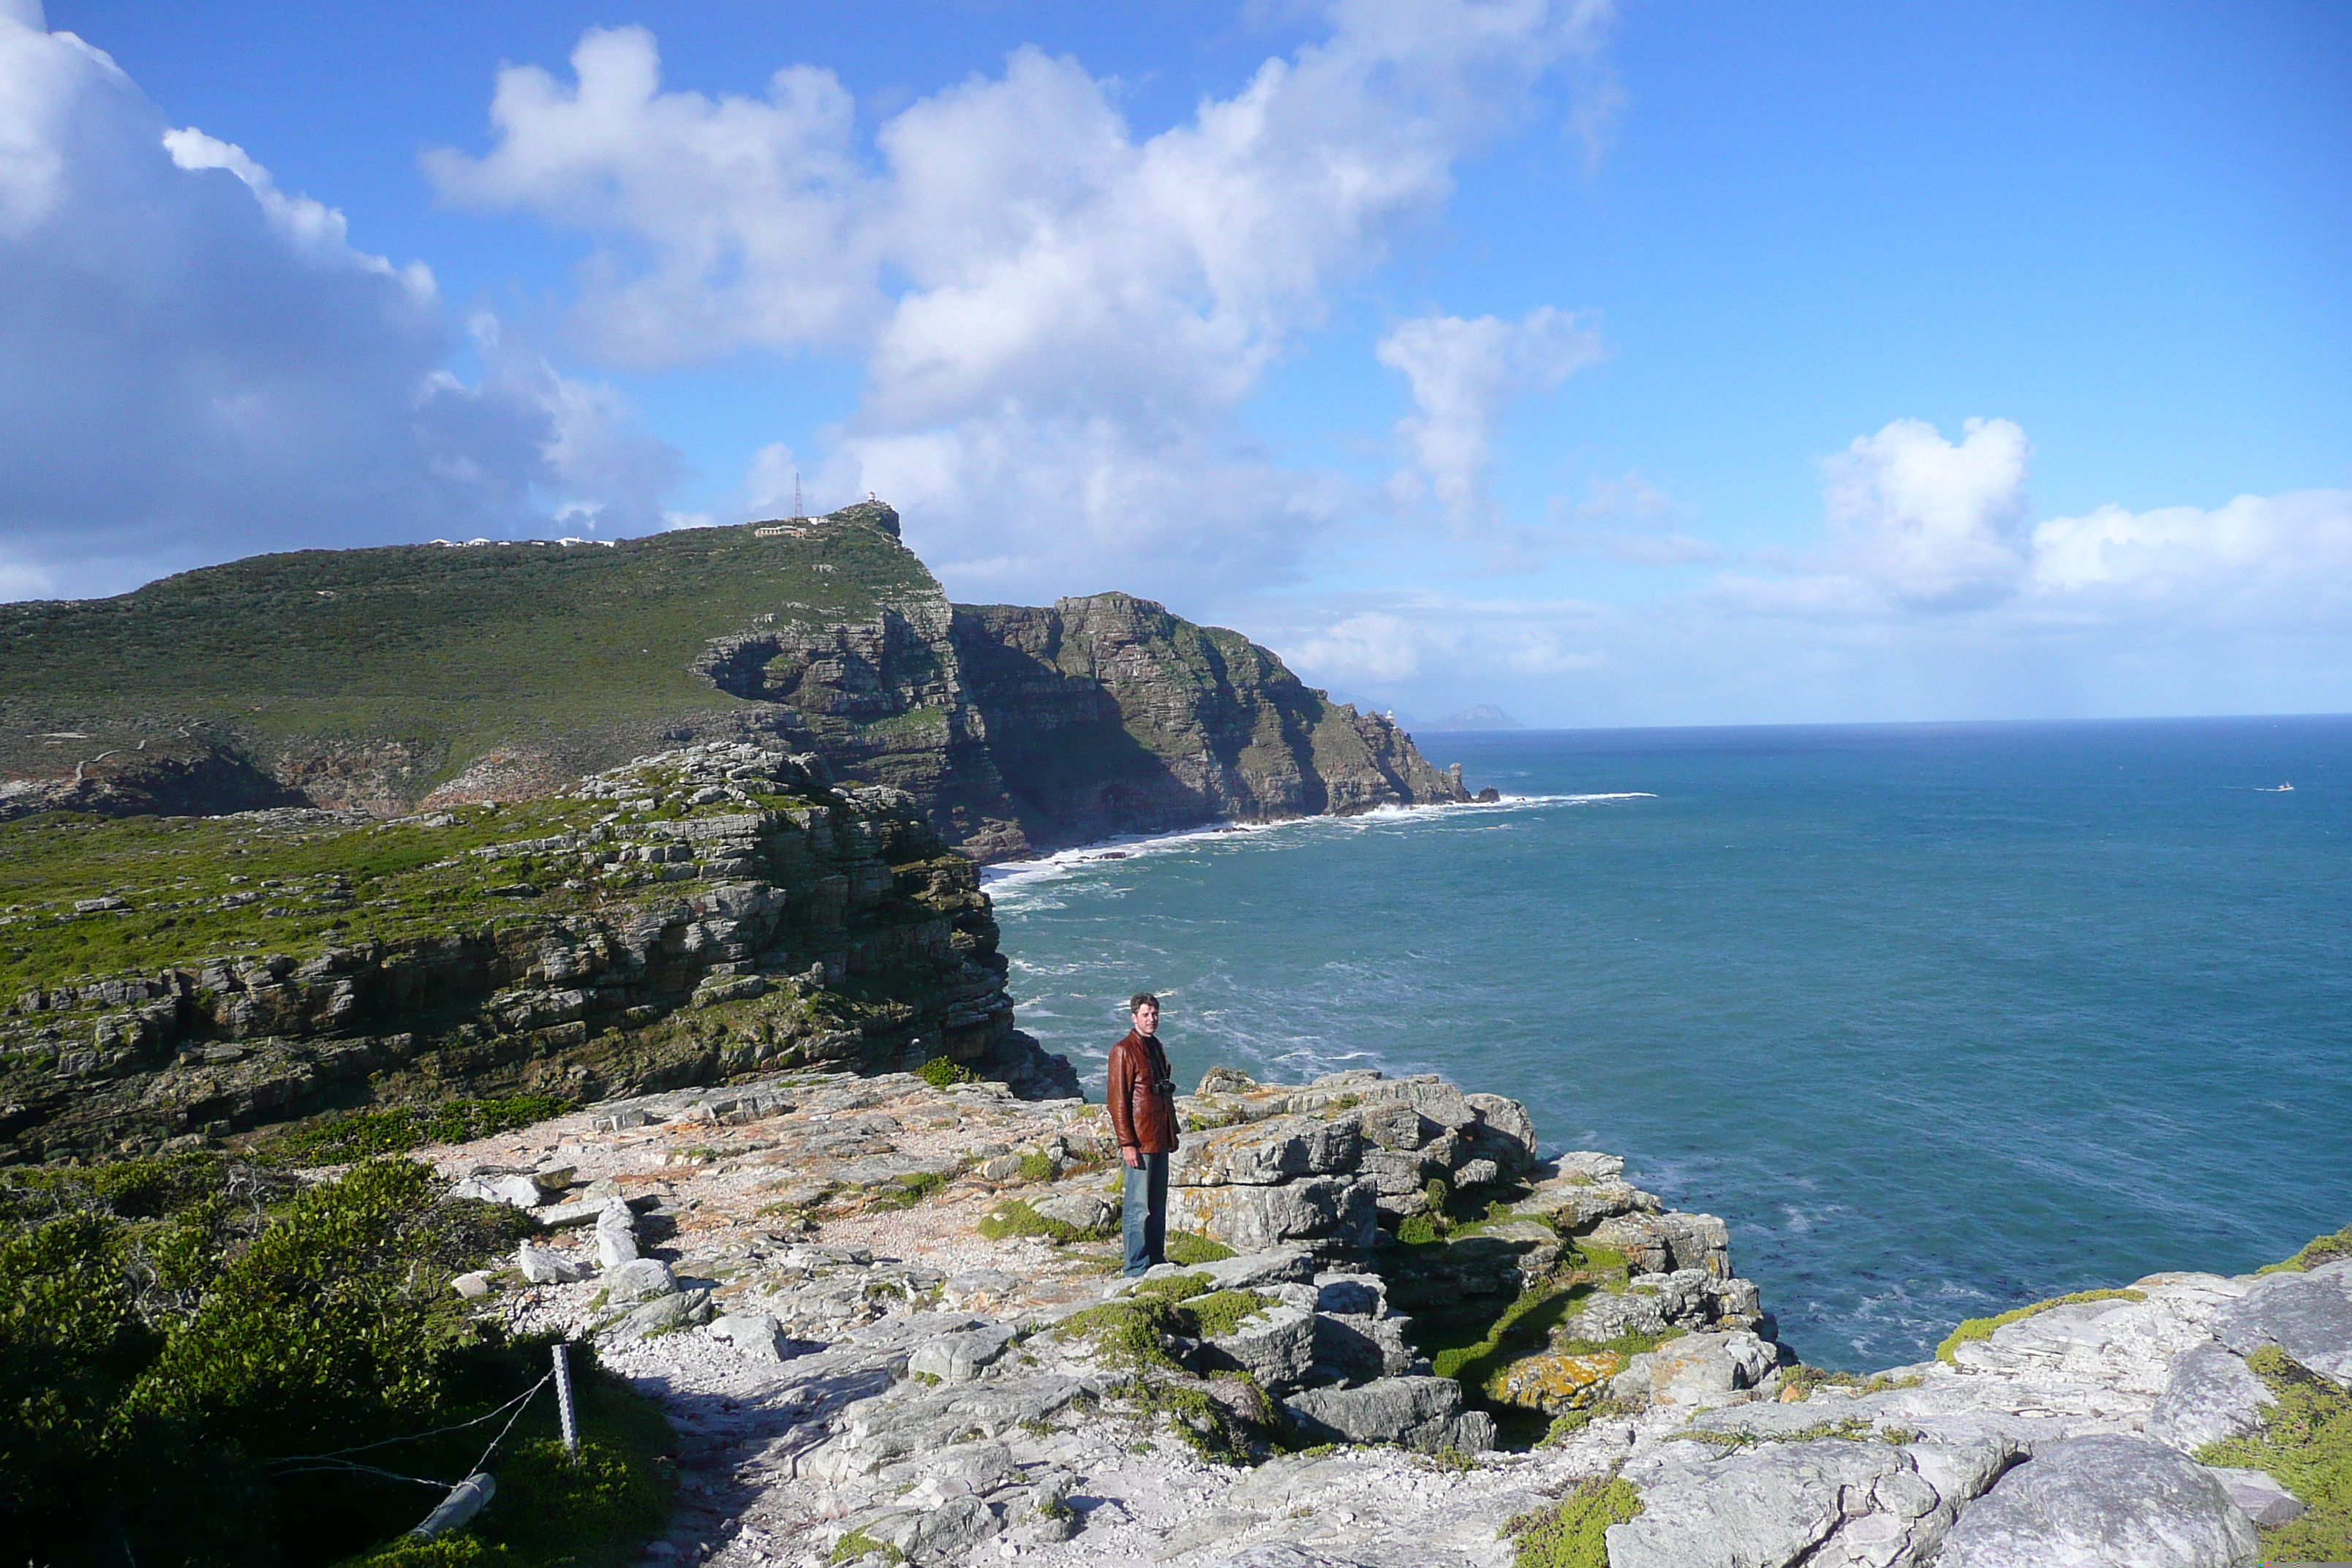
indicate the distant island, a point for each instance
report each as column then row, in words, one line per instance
column 1481, row 716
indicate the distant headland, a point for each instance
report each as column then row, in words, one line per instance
column 420, row 676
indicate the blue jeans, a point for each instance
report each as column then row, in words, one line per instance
column 1145, row 1218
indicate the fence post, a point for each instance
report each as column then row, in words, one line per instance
column 464, row 1501
column 563, row 1401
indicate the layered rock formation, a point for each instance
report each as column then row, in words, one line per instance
column 700, row 913
column 857, row 1377
column 387, row 679
column 1108, row 715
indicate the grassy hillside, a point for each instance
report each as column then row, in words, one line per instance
column 448, row 650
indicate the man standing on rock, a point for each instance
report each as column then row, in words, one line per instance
column 1142, row 1104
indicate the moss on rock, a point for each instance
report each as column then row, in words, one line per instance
column 1572, row 1533
column 2304, row 1444
column 1974, row 1328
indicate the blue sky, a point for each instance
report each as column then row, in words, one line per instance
column 1634, row 364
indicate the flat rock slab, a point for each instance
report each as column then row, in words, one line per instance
column 2308, row 1316
column 961, row 1357
column 1250, row 1218
column 1854, row 1504
column 1265, row 1152
column 2097, row 1502
column 541, row 1265
column 2210, row 1396
column 1080, row 1211
column 1277, row 1347
column 1422, row 1412
column 1203, row 1530
column 2262, row 1498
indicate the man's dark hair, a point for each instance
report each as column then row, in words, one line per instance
column 1136, row 1001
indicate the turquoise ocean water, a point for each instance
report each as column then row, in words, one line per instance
column 1942, row 1019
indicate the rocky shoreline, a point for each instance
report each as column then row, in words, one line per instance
column 882, row 1315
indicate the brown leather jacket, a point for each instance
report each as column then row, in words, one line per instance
column 1142, row 1098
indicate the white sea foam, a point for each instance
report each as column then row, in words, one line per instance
column 1022, row 881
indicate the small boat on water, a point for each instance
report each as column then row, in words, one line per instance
column 2275, row 789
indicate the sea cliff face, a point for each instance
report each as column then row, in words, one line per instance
column 1108, row 715
column 385, row 680
column 700, row 913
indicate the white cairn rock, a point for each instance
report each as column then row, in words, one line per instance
column 617, row 1234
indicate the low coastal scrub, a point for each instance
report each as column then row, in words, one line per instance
column 2304, row 1444
column 905, row 1191
column 1572, row 1533
column 2322, row 1249
column 857, row 1544
column 1188, row 1250
column 1805, row 1380
column 1133, row 1331
column 1973, row 1329
column 192, row 887
column 1014, row 1218
column 941, row 1073
column 396, row 1129
column 204, row 1363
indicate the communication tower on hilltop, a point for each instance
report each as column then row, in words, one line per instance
column 797, row 513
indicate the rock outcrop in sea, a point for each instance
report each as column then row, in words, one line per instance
column 880, row 1324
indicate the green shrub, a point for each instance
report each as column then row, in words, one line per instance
column 1974, row 1328
column 1174, row 1287
column 905, row 1191
column 1217, row 1314
column 396, row 1129
column 939, row 1073
column 1572, row 1533
column 181, row 1339
column 1126, row 1332
column 1418, row 1230
column 1189, row 1251
column 1014, row 1218
column 1037, row 1167
column 1521, row 1327
column 1805, row 1379
column 857, row 1544
column 1571, row 1421
column 1208, row 1425
column 552, row 1505
column 461, row 1551
column 2304, row 1444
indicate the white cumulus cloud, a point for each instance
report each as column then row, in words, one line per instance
column 2277, row 562
column 194, row 364
column 1936, row 525
column 1059, row 317
column 1465, row 375
column 1930, row 593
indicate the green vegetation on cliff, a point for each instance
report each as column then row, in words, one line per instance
column 441, row 653
column 2304, row 1444
column 1573, row 1534
column 1974, row 1328
column 700, row 913
column 204, row 1363
column 382, row 678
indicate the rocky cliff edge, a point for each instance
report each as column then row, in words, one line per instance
column 876, row 1311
